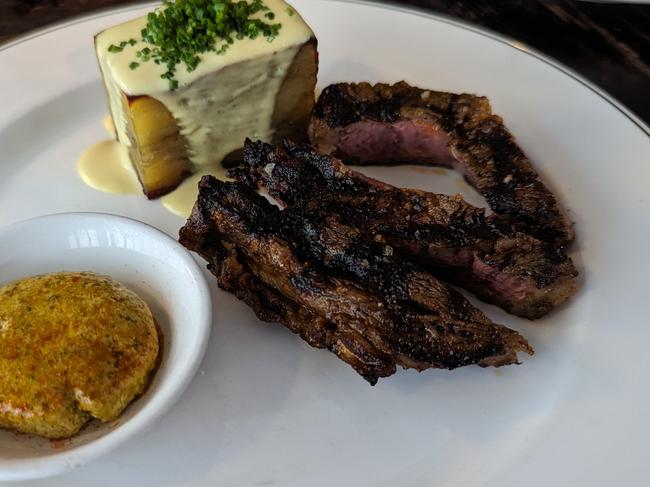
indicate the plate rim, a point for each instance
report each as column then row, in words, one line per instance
column 435, row 18
column 381, row 4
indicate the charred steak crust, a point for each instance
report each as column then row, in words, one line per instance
column 400, row 124
column 523, row 275
column 272, row 306
column 374, row 311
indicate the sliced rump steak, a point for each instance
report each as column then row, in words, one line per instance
column 401, row 124
column 323, row 282
column 484, row 254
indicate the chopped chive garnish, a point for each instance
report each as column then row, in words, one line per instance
column 290, row 11
column 181, row 30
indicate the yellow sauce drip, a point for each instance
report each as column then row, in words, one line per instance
column 181, row 200
column 106, row 167
column 216, row 114
column 109, row 126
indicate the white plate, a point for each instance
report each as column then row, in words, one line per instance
column 145, row 260
column 268, row 410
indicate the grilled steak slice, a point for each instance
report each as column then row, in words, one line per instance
column 405, row 318
column 523, row 275
column 234, row 275
column 401, row 124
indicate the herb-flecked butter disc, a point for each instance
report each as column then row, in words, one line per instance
column 73, row 346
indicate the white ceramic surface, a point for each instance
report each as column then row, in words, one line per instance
column 266, row 409
column 147, row 261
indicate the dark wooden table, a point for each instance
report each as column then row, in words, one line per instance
column 607, row 43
